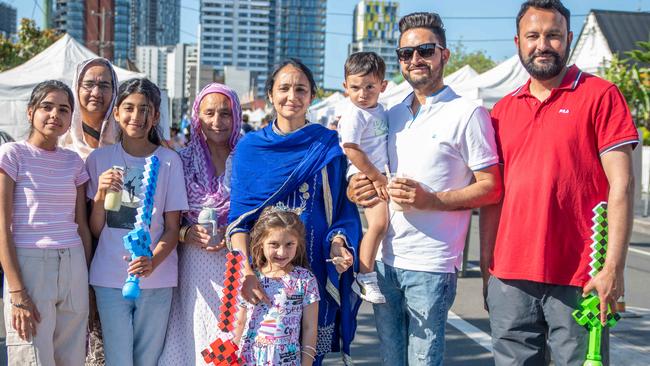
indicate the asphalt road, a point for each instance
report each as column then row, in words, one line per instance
column 467, row 335
column 468, row 329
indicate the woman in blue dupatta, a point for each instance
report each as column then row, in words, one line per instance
column 296, row 165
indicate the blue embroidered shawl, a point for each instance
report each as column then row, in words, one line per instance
column 267, row 167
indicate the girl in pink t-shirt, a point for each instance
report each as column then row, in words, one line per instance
column 44, row 237
column 134, row 330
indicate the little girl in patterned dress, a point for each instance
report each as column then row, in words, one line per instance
column 282, row 332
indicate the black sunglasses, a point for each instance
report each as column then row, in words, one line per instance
column 424, row 50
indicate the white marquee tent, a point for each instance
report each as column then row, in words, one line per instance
column 492, row 85
column 395, row 95
column 329, row 107
column 322, row 111
column 59, row 61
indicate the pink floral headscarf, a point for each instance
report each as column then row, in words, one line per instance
column 204, row 188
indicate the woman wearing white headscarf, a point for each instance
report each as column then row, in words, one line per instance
column 95, row 88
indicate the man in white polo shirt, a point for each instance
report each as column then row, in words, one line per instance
column 442, row 154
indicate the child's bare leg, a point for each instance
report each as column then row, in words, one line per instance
column 377, row 217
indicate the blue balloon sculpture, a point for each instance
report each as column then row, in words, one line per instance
column 138, row 240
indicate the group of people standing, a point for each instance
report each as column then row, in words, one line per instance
column 549, row 154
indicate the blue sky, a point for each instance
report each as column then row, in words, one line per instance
column 491, row 35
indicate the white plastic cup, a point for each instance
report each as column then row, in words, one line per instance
column 394, row 206
column 113, row 199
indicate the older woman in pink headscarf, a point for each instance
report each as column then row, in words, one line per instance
column 216, row 122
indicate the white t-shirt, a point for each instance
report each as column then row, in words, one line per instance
column 440, row 147
column 367, row 128
column 108, row 269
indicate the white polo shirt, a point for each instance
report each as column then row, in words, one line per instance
column 448, row 139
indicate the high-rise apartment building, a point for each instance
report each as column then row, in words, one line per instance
column 375, row 28
column 69, row 17
column 155, row 23
column 121, row 28
column 298, row 30
column 152, row 23
column 255, row 35
column 152, row 61
column 7, row 19
column 124, row 24
column 236, row 33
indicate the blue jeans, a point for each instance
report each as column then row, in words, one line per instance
column 411, row 324
column 134, row 331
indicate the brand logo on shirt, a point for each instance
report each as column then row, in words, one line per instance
column 564, row 111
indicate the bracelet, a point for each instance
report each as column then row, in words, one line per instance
column 183, row 232
column 19, row 305
column 310, row 348
column 16, row 291
column 308, row 354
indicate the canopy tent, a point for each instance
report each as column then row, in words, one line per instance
column 494, row 84
column 59, row 61
column 322, row 111
column 395, row 95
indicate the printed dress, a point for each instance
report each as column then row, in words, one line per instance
column 272, row 333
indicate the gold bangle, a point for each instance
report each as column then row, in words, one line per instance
column 16, row 291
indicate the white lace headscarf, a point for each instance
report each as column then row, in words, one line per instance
column 74, row 138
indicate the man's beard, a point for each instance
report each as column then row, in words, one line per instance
column 433, row 78
column 545, row 71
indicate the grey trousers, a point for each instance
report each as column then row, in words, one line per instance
column 529, row 317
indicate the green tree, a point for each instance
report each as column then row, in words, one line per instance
column 460, row 57
column 633, row 80
column 30, row 42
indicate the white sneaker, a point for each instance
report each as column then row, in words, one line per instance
column 365, row 285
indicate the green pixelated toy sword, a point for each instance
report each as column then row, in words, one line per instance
column 588, row 314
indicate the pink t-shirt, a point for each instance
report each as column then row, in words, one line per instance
column 45, row 194
column 108, row 269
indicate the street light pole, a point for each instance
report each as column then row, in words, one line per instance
column 102, row 30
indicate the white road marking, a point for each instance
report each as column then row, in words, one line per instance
column 638, row 251
column 475, row 334
column 621, row 353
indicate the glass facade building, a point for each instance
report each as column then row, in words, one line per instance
column 255, row 35
column 298, row 30
column 121, row 28
column 69, row 18
column 7, row 19
column 236, row 33
column 156, row 22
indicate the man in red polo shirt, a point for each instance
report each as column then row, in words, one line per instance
column 565, row 140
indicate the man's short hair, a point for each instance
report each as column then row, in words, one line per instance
column 364, row 63
column 548, row 5
column 430, row 21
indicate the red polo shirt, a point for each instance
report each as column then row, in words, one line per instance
column 553, row 176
